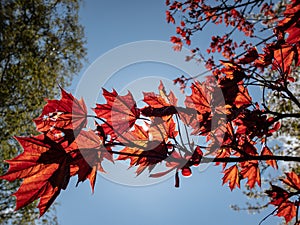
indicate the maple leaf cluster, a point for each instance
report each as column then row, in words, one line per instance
column 58, row 153
column 66, row 148
column 269, row 47
column 149, row 135
column 282, row 198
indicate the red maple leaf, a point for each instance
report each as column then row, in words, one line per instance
column 160, row 105
column 242, row 98
column 284, row 56
column 160, row 100
column 222, row 153
column 293, row 180
column 145, row 150
column 200, row 98
column 62, row 118
column 162, row 130
column 287, row 210
column 120, row 112
column 44, row 167
column 232, row 71
column 251, row 171
column 88, row 152
column 231, row 175
column 278, row 195
column 267, row 151
column 249, row 57
column 290, row 23
column 136, row 140
column 265, row 59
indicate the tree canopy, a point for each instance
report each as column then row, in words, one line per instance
column 41, row 47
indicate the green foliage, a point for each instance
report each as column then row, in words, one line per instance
column 41, row 47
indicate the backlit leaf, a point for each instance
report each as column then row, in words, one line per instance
column 44, row 168
column 293, row 180
column 267, row 151
column 287, row 210
column 231, row 175
column 62, row 118
column 120, row 112
column 251, row 171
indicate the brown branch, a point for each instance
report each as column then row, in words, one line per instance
column 166, row 111
column 254, row 157
column 292, row 97
column 297, row 211
column 211, row 159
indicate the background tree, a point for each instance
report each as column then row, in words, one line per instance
column 41, row 47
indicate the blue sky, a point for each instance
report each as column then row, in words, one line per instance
column 201, row 199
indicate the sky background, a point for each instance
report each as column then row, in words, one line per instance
column 201, row 199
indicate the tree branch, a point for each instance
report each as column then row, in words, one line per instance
column 254, row 157
column 213, row 159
